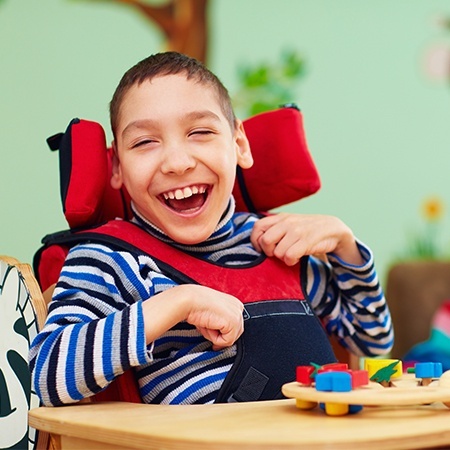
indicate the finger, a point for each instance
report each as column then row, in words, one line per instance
column 260, row 227
column 210, row 335
column 256, row 234
column 290, row 254
column 272, row 238
column 225, row 340
column 228, row 336
column 221, row 340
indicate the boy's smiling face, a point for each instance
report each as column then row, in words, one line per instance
column 176, row 154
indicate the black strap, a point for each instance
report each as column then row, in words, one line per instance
column 251, row 387
column 244, row 191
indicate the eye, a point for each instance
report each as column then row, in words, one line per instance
column 142, row 143
column 201, row 132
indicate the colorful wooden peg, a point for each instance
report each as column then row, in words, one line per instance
column 333, row 367
column 305, row 375
column 383, row 370
column 426, row 371
column 334, row 382
column 305, row 404
column 336, row 409
column 359, row 378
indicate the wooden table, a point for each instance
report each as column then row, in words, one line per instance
column 259, row 425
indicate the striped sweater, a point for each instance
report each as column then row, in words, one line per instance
column 95, row 328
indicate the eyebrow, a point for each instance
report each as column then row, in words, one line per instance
column 137, row 124
column 205, row 114
column 193, row 115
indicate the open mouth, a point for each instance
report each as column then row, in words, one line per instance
column 187, row 199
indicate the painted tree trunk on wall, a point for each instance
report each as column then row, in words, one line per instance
column 183, row 22
column 414, row 292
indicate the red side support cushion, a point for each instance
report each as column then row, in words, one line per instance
column 85, row 171
column 283, row 169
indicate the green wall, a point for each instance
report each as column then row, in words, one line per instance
column 377, row 125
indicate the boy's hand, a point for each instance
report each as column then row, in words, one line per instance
column 291, row 236
column 217, row 316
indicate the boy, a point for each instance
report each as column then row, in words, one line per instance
column 177, row 144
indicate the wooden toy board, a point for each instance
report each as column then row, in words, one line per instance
column 405, row 392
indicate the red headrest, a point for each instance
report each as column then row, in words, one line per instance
column 283, row 169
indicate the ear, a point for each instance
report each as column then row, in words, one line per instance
column 244, row 154
column 116, row 171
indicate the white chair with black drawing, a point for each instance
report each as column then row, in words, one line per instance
column 22, row 311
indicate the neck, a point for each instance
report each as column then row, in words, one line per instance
column 223, row 229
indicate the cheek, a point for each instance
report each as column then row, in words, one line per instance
column 136, row 178
column 224, row 157
column 229, row 164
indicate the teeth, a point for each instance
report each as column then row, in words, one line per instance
column 186, row 192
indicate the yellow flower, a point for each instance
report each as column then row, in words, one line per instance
column 433, row 209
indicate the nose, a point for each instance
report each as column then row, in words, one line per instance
column 177, row 159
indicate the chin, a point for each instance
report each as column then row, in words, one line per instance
column 189, row 238
column 190, row 241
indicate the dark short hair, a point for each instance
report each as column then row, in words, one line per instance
column 169, row 63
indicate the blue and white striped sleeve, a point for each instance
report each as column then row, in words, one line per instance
column 350, row 302
column 95, row 326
